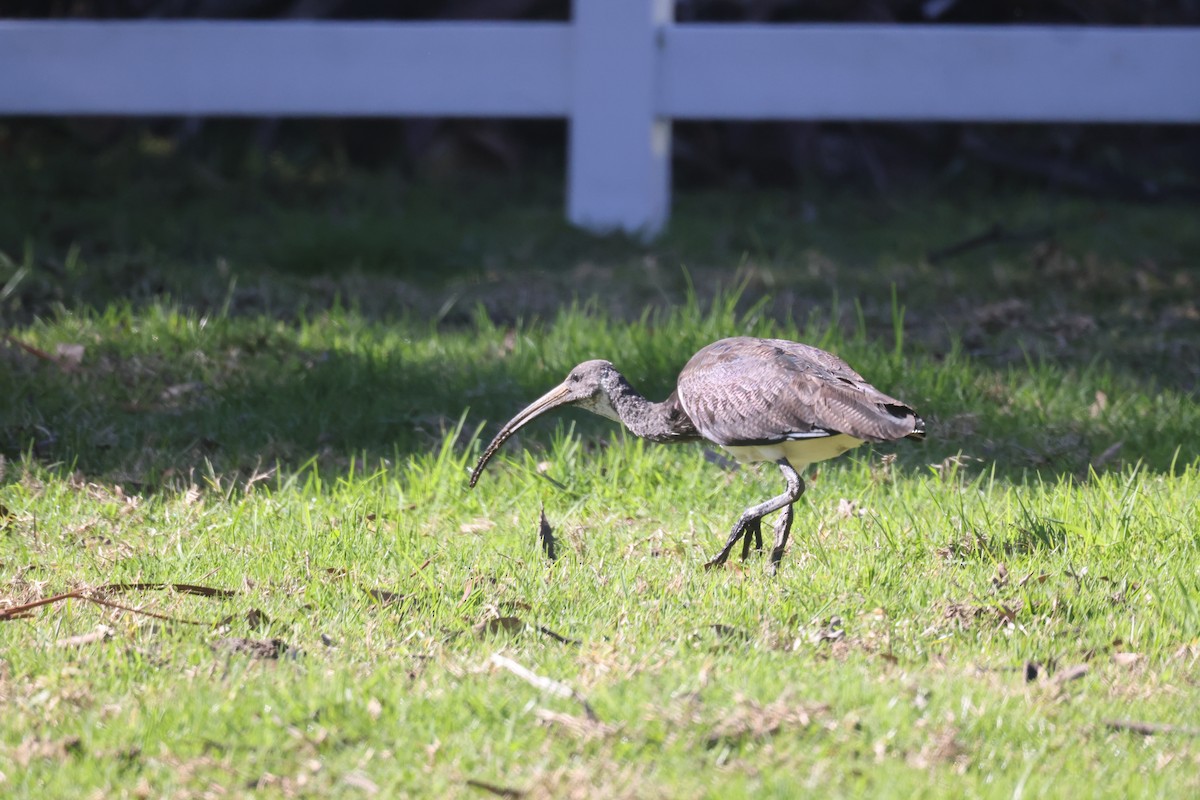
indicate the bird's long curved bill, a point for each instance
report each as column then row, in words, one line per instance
column 551, row 399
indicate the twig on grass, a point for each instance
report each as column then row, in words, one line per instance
column 91, row 596
column 21, row 611
column 548, row 685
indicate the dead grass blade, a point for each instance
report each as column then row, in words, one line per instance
column 996, row 234
column 582, row 727
column 500, row 625
column 513, row 625
column 385, row 597
column 48, row 749
column 1108, row 454
column 1071, row 674
column 182, row 588
column 558, row 637
column 1150, row 728
column 28, row 348
column 102, row 634
column 255, row 619
column 548, row 685
column 732, row 633
column 152, row 614
column 752, row 721
column 358, row 780
column 255, row 648
column 491, row 788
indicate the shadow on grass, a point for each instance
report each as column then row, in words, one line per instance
column 156, row 400
column 1039, row 356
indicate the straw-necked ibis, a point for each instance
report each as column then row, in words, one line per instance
column 760, row 399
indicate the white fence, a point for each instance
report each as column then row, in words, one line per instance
column 619, row 72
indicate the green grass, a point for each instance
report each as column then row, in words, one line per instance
column 288, row 437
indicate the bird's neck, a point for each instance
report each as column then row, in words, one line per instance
column 658, row 422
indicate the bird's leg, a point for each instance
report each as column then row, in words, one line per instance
column 754, row 526
column 783, row 525
column 795, row 486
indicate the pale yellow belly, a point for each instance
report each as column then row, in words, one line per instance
column 799, row 453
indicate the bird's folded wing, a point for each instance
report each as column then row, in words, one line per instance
column 760, row 391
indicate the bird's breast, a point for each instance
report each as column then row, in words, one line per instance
column 798, row 452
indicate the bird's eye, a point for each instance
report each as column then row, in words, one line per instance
column 573, row 377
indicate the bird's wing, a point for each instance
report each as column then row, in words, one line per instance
column 745, row 391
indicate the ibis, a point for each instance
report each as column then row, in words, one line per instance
column 761, row 400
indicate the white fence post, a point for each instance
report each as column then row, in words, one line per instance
column 619, row 159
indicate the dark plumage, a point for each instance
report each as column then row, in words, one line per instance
column 760, row 399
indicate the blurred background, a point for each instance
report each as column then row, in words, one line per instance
column 1136, row 162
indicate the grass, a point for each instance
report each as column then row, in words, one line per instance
column 978, row 616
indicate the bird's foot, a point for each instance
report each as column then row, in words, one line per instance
column 716, row 561
column 753, row 528
column 772, row 567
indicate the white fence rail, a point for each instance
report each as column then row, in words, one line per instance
column 619, row 72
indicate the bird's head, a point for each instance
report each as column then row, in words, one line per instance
column 588, row 385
